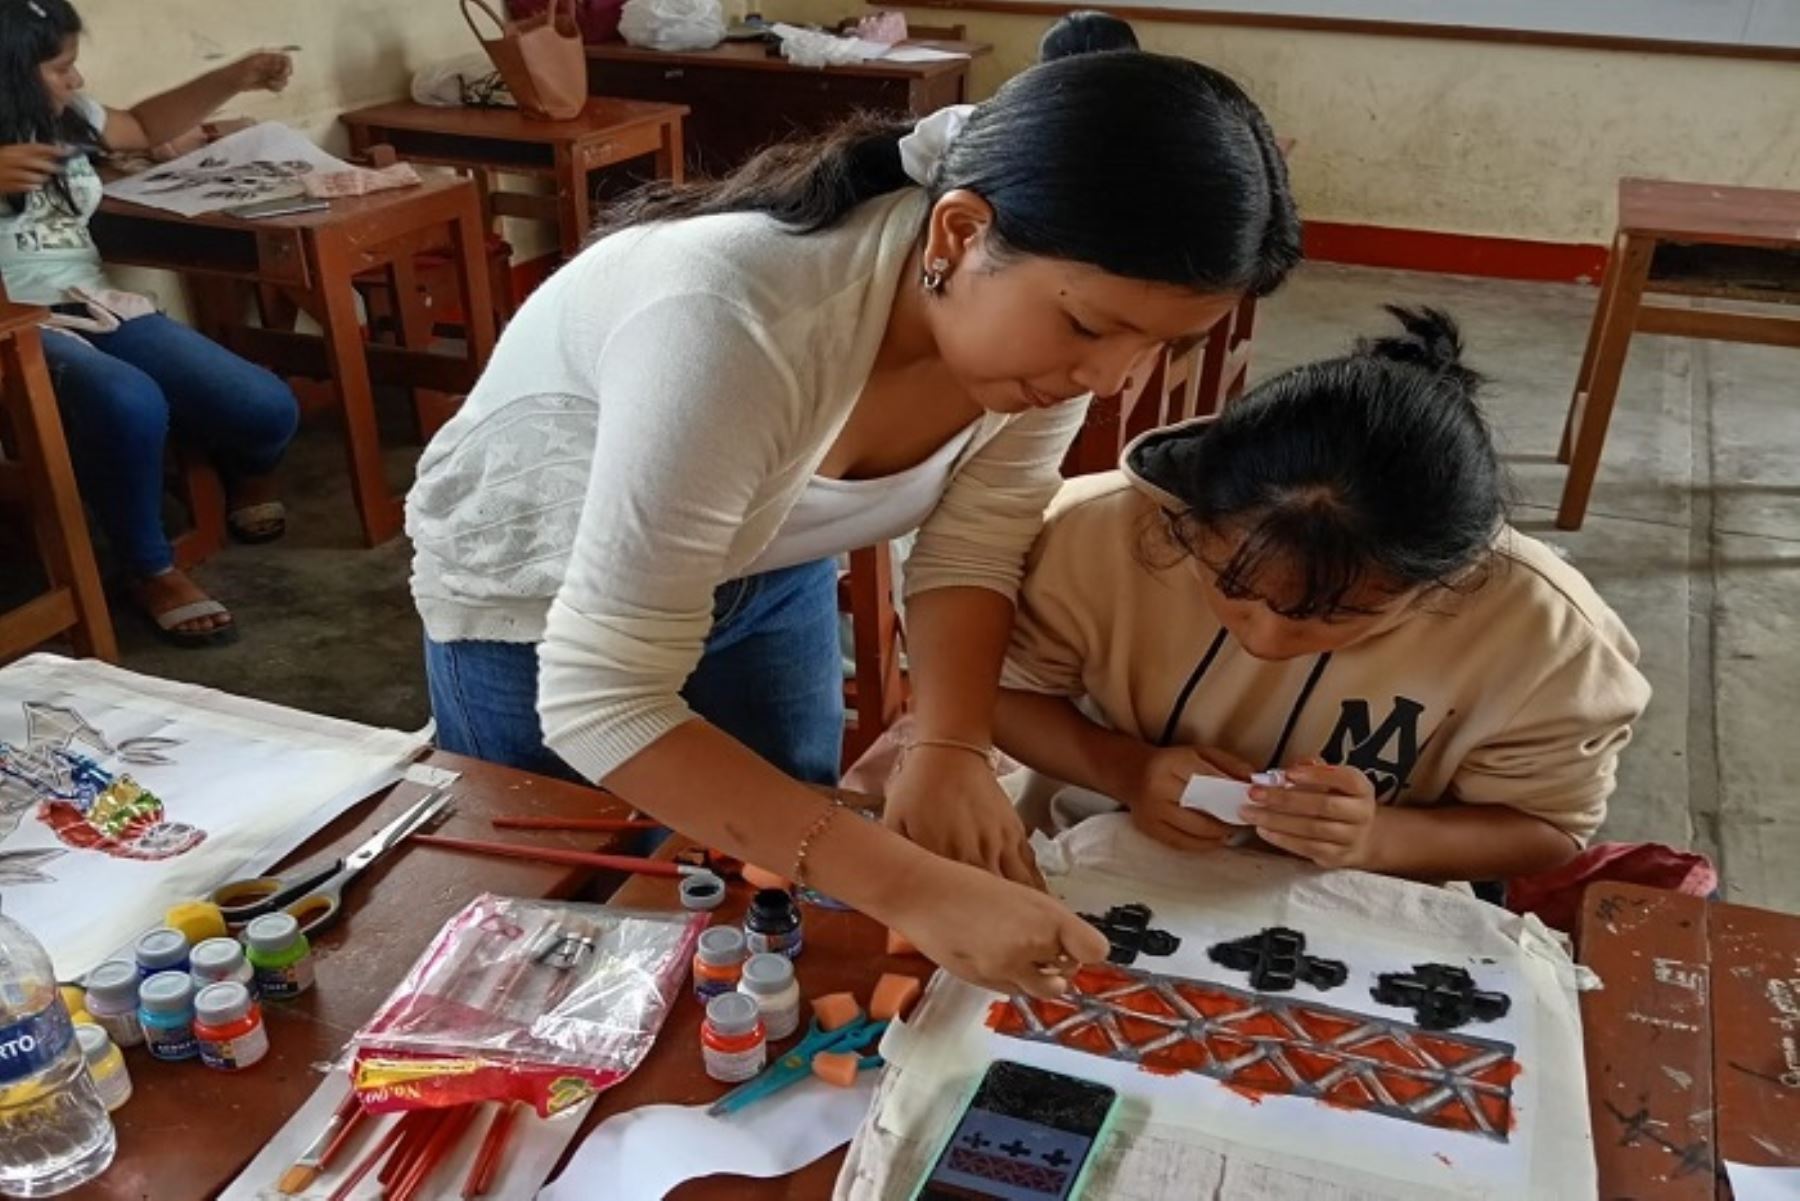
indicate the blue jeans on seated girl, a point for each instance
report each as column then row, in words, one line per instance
column 122, row 393
column 771, row 676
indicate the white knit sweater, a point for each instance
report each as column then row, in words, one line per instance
column 648, row 419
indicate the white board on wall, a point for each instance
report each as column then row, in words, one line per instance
column 1774, row 23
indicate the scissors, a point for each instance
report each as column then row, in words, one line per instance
column 796, row 1065
column 315, row 898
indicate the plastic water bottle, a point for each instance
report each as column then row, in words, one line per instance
column 54, row 1130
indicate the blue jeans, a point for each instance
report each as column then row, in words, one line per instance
column 771, row 676
column 120, row 395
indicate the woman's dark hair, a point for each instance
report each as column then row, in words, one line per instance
column 1086, row 31
column 1147, row 167
column 1373, row 468
column 32, row 32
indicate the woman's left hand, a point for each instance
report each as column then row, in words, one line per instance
column 264, row 71
column 947, row 800
column 1325, row 814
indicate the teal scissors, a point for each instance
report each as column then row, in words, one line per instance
column 315, row 897
column 796, row 1065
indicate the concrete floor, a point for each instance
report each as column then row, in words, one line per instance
column 1694, row 536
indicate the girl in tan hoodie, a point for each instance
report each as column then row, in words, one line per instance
column 1319, row 587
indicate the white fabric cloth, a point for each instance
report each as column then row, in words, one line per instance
column 647, row 422
column 922, row 150
column 833, row 517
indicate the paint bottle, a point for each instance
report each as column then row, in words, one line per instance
column 770, row 979
column 162, row 950
column 197, row 920
column 112, row 1001
column 719, row 963
column 166, row 1009
column 218, row 960
column 106, row 1064
column 229, row 1027
column 772, row 926
column 733, row 1043
column 280, row 956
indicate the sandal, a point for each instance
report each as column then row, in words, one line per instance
column 256, row 524
column 168, row 623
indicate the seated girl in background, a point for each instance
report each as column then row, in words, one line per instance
column 125, row 375
column 1322, row 580
column 1086, row 31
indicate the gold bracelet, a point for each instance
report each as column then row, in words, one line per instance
column 956, row 744
column 812, row 835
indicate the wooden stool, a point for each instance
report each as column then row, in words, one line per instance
column 37, row 475
column 1732, row 244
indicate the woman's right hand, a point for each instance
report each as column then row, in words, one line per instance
column 27, row 166
column 1151, row 784
column 996, row 934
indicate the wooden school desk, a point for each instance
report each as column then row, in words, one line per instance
column 489, row 142
column 188, row 1131
column 306, row 262
column 742, row 99
column 1693, row 1045
column 37, row 477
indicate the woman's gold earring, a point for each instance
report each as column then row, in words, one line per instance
column 936, row 272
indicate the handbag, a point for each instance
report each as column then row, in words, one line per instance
column 542, row 59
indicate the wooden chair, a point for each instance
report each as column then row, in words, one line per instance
column 876, row 694
column 1696, row 240
column 36, row 475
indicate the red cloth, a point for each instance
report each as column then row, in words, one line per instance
column 1555, row 896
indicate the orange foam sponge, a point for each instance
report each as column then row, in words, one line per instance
column 893, row 996
column 836, row 1067
column 836, row 1010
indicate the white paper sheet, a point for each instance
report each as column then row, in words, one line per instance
column 1752, row 1183
column 230, row 785
column 1273, row 1146
column 643, row 1154
column 531, row 1152
column 920, row 54
column 869, row 51
column 1223, row 799
column 260, row 163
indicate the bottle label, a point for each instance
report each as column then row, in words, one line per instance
column 788, row 943
column 230, row 1054
column 705, row 990
column 30, row 1046
column 286, row 982
column 171, row 1042
column 733, row 1067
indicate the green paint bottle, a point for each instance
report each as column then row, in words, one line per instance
column 280, row 956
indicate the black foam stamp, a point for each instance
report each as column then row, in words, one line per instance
column 1275, row 959
column 1441, row 997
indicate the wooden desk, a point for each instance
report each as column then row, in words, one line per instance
column 491, row 141
column 1693, row 1045
column 187, row 1131
column 742, row 99
column 306, row 263
column 37, row 476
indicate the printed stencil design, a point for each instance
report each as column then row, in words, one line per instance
column 85, row 805
column 1258, row 1044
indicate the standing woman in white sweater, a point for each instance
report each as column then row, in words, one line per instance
column 625, row 539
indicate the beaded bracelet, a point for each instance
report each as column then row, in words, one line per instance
column 956, row 744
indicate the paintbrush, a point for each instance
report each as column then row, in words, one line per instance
column 486, row 1167
column 603, row 825
column 299, row 1178
column 514, row 850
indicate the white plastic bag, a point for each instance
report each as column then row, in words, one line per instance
column 467, row 80
column 673, row 24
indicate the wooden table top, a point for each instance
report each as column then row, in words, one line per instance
column 754, row 56
column 1693, row 1043
column 1710, row 213
column 15, row 317
column 603, row 116
column 188, row 1131
column 343, row 209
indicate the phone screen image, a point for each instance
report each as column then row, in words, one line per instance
column 1025, row 1136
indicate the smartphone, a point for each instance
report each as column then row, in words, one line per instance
column 281, row 206
column 1026, row 1135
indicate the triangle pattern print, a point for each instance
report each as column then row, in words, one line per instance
column 1259, row 1044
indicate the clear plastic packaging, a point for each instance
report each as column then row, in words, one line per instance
column 544, row 1002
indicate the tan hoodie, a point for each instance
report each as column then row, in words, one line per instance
column 1521, row 692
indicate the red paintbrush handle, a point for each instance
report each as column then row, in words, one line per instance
column 442, row 1140
column 349, row 1183
column 352, row 1120
column 602, row 825
column 512, row 850
column 494, row 1151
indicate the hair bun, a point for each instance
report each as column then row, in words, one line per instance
column 1432, row 341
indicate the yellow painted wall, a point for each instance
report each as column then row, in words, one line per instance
column 1470, row 137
